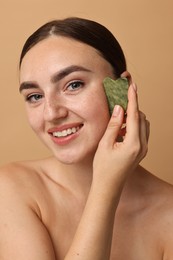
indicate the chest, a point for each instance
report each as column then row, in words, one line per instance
column 135, row 234
column 134, row 238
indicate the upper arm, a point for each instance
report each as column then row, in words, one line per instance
column 22, row 234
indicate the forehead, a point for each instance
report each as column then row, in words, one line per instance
column 57, row 52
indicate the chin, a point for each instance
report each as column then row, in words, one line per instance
column 66, row 158
column 71, row 159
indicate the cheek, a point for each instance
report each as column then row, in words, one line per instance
column 99, row 120
column 34, row 120
column 100, row 105
column 97, row 111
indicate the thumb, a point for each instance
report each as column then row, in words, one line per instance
column 114, row 126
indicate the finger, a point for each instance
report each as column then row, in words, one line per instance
column 144, row 134
column 113, row 127
column 148, row 129
column 132, row 122
column 122, row 131
column 145, row 127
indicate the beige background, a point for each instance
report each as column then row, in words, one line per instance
column 145, row 30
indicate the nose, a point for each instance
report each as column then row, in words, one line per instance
column 54, row 109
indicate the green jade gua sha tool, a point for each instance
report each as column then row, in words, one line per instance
column 116, row 92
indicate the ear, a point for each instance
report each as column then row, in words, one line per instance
column 127, row 75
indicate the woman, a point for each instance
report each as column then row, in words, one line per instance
column 91, row 200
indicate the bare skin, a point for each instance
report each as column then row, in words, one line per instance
column 72, row 205
column 143, row 220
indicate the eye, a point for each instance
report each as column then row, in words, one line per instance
column 75, row 85
column 33, row 98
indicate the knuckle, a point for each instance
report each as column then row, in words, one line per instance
column 137, row 116
column 139, row 149
column 144, row 150
column 136, row 149
column 114, row 124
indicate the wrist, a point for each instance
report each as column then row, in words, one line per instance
column 107, row 191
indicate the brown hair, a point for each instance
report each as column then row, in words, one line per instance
column 83, row 30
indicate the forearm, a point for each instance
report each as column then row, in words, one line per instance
column 93, row 237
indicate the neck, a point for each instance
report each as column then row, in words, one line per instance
column 75, row 177
column 135, row 184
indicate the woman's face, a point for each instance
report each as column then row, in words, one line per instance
column 61, row 81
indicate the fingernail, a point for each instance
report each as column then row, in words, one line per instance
column 117, row 110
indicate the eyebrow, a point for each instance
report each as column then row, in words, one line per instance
column 55, row 78
column 28, row 85
column 65, row 72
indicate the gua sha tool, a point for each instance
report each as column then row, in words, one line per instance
column 116, row 92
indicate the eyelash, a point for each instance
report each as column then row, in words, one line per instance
column 75, row 83
column 30, row 97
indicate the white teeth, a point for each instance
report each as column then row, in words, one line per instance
column 73, row 130
column 66, row 132
column 69, row 131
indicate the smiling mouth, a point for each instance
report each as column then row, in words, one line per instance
column 66, row 132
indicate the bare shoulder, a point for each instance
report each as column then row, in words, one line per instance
column 160, row 214
column 19, row 175
column 18, row 182
column 158, row 195
column 25, row 171
column 161, row 192
column 21, row 229
column 164, row 220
